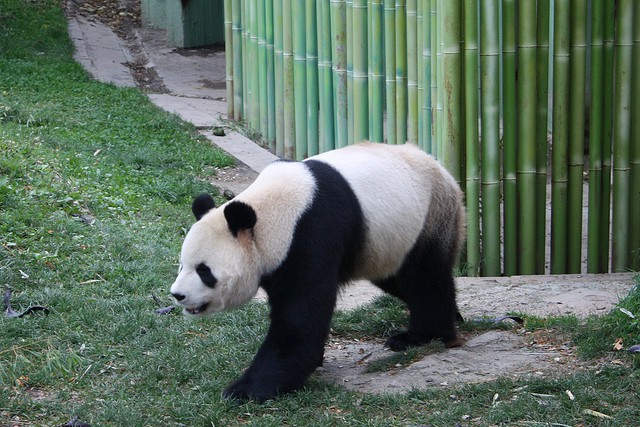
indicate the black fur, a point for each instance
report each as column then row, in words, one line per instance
column 303, row 290
column 206, row 275
column 239, row 216
column 201, row 205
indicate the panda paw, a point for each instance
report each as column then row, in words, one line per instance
column 405, row 340
column 245, row 390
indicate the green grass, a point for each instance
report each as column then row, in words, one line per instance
column 70, row 146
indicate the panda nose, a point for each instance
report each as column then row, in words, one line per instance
column 177, row 296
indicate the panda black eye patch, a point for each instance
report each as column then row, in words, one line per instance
column 205, row 275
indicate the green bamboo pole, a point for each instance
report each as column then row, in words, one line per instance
column 490, row 122
column 607, row 133
column 526, row 162
column 339, row 32
column 510, row 127
column 349, row 44
column 452, row 86
column 229, row 53
column 634, row 198
column 440, row 82
column 360, row 72
column 472, row 164
column 300, row 77
column 263, row 102
column 237, row 54
column 412, row 70
column 390, row 68
column 254, row 81
column 542, row 101
column 561, row 79
column 427, row 110
column 376, row 82
column 595, row 139
column 420, row 71
column 622, row 136
column 325, row 65
column 279, row 76
column 435, row 66
column 401, row 71
column 288, row 83
column 244, row 22
column 271, row 99
column 312, row 78
column 577, row 66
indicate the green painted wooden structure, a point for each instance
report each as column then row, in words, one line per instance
column 524, row 101
column 189, row 23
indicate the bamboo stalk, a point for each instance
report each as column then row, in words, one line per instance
column 360, row 72
column 325, row 65
column 542, row 91
column 472, row 188
column 427, row 113
column 244, row 24
column 595, row 139
column 339, row 31
column 490, row 122
column 271, row 100
column 254, row 81
column 390, row 68
column 634, row 191
column 452, row 86
column 509, row 165
column 401, row 71
column 279, row 76
column 300, row 77
column 440, row 83
column 238, row 76
column 577, row 66
column 561, row 79
column 526, row 173
column 420, row 70
column 288, row 83
column 229, row 53
column 412, row 70
column 263, row 102
column 312, row 78
column 435, row 66
column 349, row 44
column 622, row 136
column 607, row 133
column 376, row 76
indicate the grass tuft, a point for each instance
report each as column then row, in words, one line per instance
column 95, row 192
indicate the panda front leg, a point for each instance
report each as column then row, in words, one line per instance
column 292, row 349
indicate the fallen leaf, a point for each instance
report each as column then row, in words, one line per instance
column 618, row 345
column 597, row 414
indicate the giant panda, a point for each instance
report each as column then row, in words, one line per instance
column 389, row 214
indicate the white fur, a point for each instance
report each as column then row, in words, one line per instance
column 279, row 196
column 394, row 185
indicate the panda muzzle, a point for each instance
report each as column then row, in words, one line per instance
column 194, row 311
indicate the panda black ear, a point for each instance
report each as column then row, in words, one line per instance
column 201, row 205
column 240, row 216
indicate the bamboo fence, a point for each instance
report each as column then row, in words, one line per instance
column 533, row 105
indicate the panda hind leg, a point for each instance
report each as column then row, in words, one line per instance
column 429, row 292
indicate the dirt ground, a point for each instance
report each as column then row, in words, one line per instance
column 485, row 356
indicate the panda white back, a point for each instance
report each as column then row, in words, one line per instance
column 394, row 186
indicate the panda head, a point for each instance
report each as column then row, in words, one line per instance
column 218, row 262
